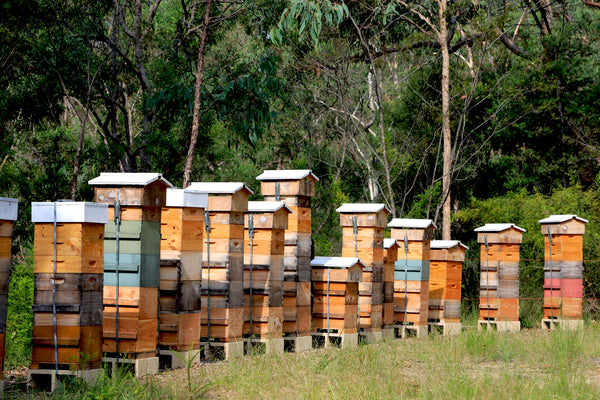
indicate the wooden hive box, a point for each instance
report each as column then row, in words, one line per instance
column 335, row 294
column 366, row 243
column 132, row 278
column 77, row 279
column 182, row 234
column 445, row 281
column 265, row 225
column 499, row 263
column 223, row 261
column 563, row 266
column 411, row 276
column 8, row 216
column 295, row 188
column 389, row 261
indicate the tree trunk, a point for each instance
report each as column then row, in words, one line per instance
column 447, row 138
column 196, row 114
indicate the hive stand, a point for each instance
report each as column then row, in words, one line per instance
column 264, row 237
column 8, row 216
column 499, row 278
column 445, row 278
column 132, row 278
column 223, row 268
column 335, row 300
column 362, row 237
column 67, row 298
column 390, row 256
column 563, row 271
column 411, row 275
column 182, row 237
column 295, row 188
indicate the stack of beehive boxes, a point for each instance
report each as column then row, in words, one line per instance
column 563, row 270
column 390, row 256
column 411, row 276
column 335, row 299
column 131, row 266
column 8, row 215
column 445, row 278
column 67, row 300
column 182, row 237
column 264, row 237
column 223, row 267
column 295, row 188
column 363, row 227
column 499, row 278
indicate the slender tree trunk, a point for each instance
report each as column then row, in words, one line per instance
column 447, row 138
column 196, row 114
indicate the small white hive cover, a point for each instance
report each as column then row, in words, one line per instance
column 267, row 206
column 186, row 198
column 114, row 179
column 411, row 223
column 285, row 175
column 9, row 209
column 219, row 187
column 558, row 219
column 69, row 211
column 335, row 262
column 361, row 208
column 387, row 243
column 498, row 228
column 446, row 244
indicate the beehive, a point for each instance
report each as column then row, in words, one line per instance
column 390, row 256
column 499, row 278
column 131, row 265
column 445, row 278
column 223, row 266
column 411, row 274
column 563, row 270
column 68, row 282
column 335, row 299
column 362, row 237
column 264, row 237
column 295, row 188
column 8, row 215
column 182, row 237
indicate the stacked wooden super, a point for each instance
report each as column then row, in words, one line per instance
column 264, row 237
column 411, row 275
column 499, row 279
column 295, row 188
column 335, row 299
column 563, row 271
column 223, row 267
column 445, row 278
column 67, row 299
column 390, row 256
column 182, row 237
column 8, row 215
column 131, row 266
column 362, row 237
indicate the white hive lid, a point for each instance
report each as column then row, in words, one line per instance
column 411, row 223
column 69, row 211
column 9, row 209
column 361, row 208
column 186, row 198
column 446, row 244
column 558, row 219
column 387, row 243
column 335, row 262
column 128, row 179
column 498, row 228
column 285, row 175
column 266, row 206
column 219, row 187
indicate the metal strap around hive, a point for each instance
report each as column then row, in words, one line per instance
column 487, row 275
column 355, row 230
column 277, row 192
column 117, row 219
column 54, row 298
column 207, row 227
column 551, row 282
column 406, row 276
column 251, row 235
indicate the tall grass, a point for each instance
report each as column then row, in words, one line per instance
column 19, row 319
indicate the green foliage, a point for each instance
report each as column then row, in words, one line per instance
column 19, row 320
